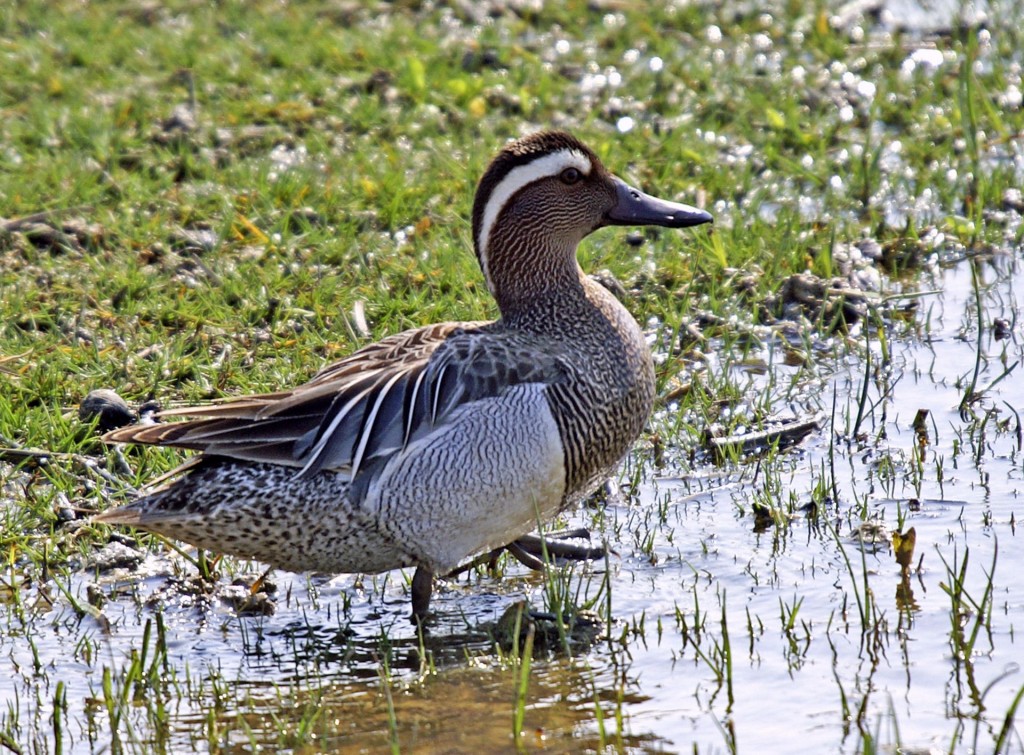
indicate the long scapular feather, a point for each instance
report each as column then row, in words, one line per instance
column 330, row 433
column 409, row 406
column 369, row 420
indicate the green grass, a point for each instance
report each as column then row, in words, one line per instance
column 84, row 120
column 219, row 189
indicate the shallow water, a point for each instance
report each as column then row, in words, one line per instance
column 728, row 631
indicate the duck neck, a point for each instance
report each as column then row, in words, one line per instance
column 536, row 290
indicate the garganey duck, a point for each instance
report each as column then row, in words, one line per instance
column 445, row 441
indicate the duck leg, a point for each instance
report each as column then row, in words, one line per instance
column 534, row 547
column 529, row 550
column 526, row 558
column 422, row 587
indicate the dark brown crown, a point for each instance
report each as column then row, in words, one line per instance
column 521, row 152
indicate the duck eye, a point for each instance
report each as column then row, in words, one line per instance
column 571, row 175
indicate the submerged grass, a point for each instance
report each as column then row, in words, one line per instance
column 204, row 201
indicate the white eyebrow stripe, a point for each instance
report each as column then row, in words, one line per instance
column 516, row 179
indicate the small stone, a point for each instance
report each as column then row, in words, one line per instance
column 635, row 238
column 45, row 236
column 245, row 602
column 115, row 555
column 582, row 629
column 378, row 82
column 610, row 282
column 95, row 595
column 177, row 126
column 303, row 218
column 112, row 410
column 903, row 254
column 83, row 232
column 871, row 249
column 199, row 240
column 473, row 61
column 148, row 410
column 1013, row 199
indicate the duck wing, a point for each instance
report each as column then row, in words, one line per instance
column 359, row 411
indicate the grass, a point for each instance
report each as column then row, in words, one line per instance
column 204, row 201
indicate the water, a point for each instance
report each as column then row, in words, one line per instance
column 828, row 641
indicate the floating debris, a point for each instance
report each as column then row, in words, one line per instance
column 903, row 544
column 872, row 536
column 782, row 436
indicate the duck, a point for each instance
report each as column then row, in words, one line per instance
column 447, row 441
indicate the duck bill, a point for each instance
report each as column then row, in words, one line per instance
column 636, row 208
